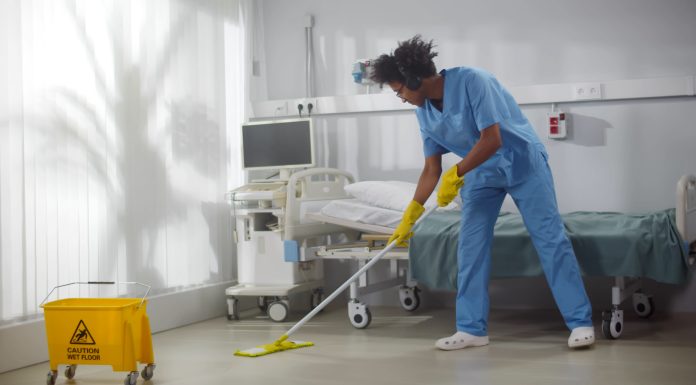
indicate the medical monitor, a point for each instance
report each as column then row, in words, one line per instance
column 279, row 144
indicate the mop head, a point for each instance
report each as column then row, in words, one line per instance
column 278, row 346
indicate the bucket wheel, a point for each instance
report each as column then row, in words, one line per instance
column 148, row 372
column 51, row 377
column 131, row 378
column 70, row 371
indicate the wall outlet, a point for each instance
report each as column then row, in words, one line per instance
column 305, row 109
column 587, row 91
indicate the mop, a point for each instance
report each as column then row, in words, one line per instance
column 283, row 343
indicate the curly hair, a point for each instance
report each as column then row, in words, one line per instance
column 412, row 58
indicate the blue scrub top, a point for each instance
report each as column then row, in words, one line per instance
column 472, row 101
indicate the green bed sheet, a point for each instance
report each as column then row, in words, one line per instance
column 606, row 244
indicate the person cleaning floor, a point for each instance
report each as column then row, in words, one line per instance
column 467, row 112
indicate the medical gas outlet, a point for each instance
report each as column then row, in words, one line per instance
column 557, row 125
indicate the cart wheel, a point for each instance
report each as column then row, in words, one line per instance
column 131, row 378
column 359, row 315
column 51, row 377
column 410, row 300
column 278, row 311
column 232, row 309
column 148, row 372
column 612, row 324
column 262, row 303
column 70, row 371
column 317, row 297
column 643, row 305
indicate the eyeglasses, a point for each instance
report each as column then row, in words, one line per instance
column 398, row 92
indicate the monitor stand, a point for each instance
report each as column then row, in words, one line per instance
column 283, row 176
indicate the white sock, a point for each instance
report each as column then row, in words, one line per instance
column 581, row 336
column 460, row 340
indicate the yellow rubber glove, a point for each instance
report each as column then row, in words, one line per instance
column 449, row 188
column 403, row 230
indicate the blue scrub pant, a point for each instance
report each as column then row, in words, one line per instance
column 536, row 199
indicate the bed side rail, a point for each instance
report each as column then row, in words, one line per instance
column 686, row 208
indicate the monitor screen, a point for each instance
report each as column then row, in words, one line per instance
column 277, row 144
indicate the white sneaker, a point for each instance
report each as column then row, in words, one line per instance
column 582, row 336
column 460, row 340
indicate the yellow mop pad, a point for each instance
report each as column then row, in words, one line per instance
column 278, row 346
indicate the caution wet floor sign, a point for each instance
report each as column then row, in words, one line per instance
column 82, row 336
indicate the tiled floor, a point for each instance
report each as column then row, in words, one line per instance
column 527, row 347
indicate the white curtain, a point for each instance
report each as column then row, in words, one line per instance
column 118, row 127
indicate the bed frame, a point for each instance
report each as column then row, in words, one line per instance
column 686, row 211
column 315, row 233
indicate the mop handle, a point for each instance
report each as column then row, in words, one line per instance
column 345, row 284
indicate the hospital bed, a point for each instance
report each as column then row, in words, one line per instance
column 312, row 205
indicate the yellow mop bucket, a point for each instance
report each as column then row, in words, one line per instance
column 99, row 331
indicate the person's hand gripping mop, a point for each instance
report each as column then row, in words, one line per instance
column 450, row 186
column 404, row 230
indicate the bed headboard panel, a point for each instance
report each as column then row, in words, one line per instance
column 308, row 191
column 686, row 208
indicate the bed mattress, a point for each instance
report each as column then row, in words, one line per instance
column 357, row 211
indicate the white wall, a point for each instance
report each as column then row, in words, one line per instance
column 620, row 156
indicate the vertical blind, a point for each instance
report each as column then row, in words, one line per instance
column 117, row 127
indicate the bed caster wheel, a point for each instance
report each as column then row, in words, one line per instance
column 612, row 324
column 70, row 371
column 232, row 309
column 278, row 311
column 51, row 377
column 410, row 300
column 148, row 372
column 317, row 297
column 359, row 315
column 131, row 378
column 643, row 305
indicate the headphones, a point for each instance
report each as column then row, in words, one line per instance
column 412, row 82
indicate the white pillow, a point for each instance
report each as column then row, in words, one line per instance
column 394, row 195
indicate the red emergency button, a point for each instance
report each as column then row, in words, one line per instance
column 554, row 130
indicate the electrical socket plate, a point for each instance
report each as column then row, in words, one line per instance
column 587, row 91
column 305, row 102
